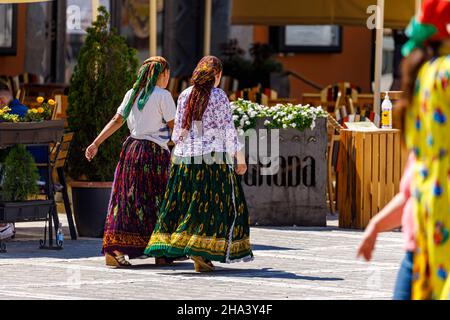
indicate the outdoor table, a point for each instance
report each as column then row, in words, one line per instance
column 370, row 166
column 41, row 133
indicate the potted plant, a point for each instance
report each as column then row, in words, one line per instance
column 18, row 178
column 35, row 128
column 105, row 71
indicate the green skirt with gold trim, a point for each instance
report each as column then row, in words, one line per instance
column 204, row 213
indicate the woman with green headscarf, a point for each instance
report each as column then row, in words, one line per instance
column 141, row 174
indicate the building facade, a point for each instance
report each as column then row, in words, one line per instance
column 49, row 36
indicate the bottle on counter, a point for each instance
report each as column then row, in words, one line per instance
column 386, row 113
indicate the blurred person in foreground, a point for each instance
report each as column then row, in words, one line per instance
column 426, row 110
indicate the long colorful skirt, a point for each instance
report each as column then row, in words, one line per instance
column 139, row 184
column 204, row 213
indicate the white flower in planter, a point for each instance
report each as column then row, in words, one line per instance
column 245, row 114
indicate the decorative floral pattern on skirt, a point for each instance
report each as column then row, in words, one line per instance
column 139, row 184
column 204, row 213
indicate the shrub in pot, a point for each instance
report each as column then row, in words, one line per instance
column 105, row 71
column 20, row 175
column 18, row 179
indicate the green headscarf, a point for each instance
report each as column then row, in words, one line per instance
column 149, row 73
column 418, row 34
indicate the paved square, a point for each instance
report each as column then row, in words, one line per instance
column 290, row 263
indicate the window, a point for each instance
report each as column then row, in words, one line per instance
column 312, row 39
column 79, row 18
column 8, row 29
column 134, row 25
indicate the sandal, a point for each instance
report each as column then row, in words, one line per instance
column 117, row 261
column 201, row 265
column 181, row 258
column 163, row 261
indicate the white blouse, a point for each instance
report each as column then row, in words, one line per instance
column 215, row 133
column 150, row 123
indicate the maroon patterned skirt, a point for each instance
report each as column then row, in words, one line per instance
column 139, row 185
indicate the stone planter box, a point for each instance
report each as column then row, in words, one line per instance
column 31, row 132
column 34, row 210
column 296, row 195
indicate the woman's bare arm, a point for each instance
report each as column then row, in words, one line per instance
column 388, row 218
column 112, row 126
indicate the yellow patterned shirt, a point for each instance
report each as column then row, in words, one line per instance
column 428, row 136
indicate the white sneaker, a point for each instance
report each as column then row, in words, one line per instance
column 7, row 231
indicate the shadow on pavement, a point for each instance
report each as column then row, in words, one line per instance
column 256, row 273
column 296, row 228
column 29, row 249
column 262, row 247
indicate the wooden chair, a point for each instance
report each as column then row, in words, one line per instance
column 274, row 102
column 342, row 94
column 14, row 83
column 229, row 84
column 59, row 164
column 334, row 129
column 58, row 157
column 173, row 87
column 30, row 91
column 60, row 110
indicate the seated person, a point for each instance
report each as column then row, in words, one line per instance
column 7, row 99
column 7, row 231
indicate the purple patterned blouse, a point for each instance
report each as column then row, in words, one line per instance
column 216, row 132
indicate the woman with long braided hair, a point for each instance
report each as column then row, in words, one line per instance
column 204, row 214
column 141, row 174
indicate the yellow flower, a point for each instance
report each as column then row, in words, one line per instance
column 40, row 110
column 33, row 110
column 51, row 102
column 1, row 112
column 40, row 99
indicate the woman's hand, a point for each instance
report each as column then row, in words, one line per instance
column 367, row 245
column 116, row 122
column 91, row 152
column 241, row 169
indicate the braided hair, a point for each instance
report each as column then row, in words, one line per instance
column 203, row 80
column 148, row 75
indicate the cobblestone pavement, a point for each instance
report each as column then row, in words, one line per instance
column 290, row 263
